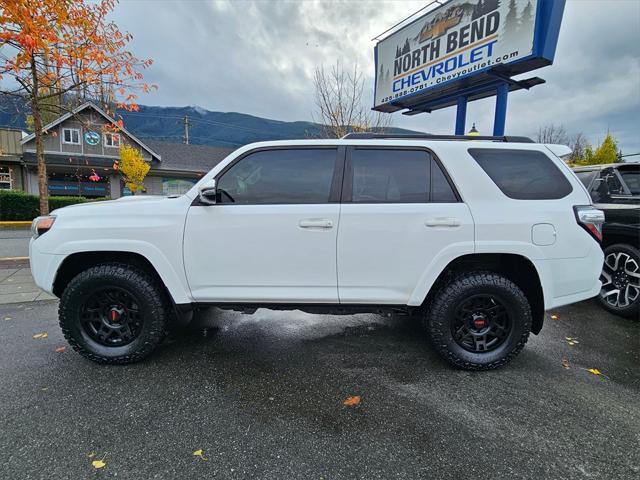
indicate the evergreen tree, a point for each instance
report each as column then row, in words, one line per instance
column 511, row 22
column 407, row 48
column 607, row 152
column 527, row 15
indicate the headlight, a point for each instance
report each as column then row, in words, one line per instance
column 41, row 225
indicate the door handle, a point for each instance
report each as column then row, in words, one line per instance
column 317, row 223
column 443, row 222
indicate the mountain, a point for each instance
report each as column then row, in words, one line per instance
column 220, row 129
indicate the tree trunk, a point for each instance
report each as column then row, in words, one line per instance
column 43, row 188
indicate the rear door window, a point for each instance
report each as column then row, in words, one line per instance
column 397, row 176
column 523, row 174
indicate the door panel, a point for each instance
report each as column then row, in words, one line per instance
column 401, row 213
column 384, row 249
column 261, row 253
column 271, row 236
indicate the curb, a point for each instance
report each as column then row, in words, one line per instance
column 15, row 223
column 14, row 262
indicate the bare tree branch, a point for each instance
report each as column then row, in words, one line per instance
column 339, row 103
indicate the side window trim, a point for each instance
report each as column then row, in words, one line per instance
column 347, row 189
column 338, row 170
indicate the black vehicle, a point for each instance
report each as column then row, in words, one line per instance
column 615, row 189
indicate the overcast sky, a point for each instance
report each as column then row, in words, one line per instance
column 258, row 57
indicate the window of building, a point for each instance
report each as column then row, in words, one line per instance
column 5, row 178
column 71, row 136
column 177, row 186
column 283, row 176
column 112, row 140
column 523, row 174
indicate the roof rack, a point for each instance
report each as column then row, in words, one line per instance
column 429, row 136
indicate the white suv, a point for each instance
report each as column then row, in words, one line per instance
column 478, row 236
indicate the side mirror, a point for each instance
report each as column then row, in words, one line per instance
column 207, row 193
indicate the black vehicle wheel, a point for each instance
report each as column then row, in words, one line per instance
column 620, row 293
column 479, row 321
column 113, row 313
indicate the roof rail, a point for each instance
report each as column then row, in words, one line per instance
column 429, row 136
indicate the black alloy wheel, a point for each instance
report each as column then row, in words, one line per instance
column 481, row 323
column 114, row 313
column 478, row 320
column 111, row 316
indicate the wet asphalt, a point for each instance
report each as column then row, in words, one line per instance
column 262, row 396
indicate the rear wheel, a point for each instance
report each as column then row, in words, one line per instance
column 620, row 293
column 479, row 321
column 113, row 313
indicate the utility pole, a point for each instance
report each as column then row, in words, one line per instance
column 185, row 120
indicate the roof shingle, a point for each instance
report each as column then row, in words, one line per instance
column 188, row 158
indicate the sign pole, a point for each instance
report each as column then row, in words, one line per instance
column 501, row 109
column 461, row 115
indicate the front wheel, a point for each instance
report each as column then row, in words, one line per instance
column 620, row 293
column 113, row 314
column 479, row 321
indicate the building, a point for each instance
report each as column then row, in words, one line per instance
column 81, row 148
column 11, row 171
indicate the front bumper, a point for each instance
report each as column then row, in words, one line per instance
column 44, row 266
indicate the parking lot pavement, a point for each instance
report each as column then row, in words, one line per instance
column 262, row 397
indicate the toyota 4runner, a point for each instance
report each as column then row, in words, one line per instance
column 479, row 236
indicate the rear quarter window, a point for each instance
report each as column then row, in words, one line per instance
column 522, row 174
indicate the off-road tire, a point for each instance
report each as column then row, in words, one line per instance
column 151, row 297
column 440, row 314
column 633, row 309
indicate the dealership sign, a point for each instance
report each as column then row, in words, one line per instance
column 463, row 39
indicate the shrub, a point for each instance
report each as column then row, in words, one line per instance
column 23, row 206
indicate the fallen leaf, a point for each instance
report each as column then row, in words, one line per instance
column 352, row 401
column 595, row 371
column 98, row 464
column 42, row 335
column 554, row 317
column 565, row 363
column 91, row 455
column 60, row 349
column 200, row 454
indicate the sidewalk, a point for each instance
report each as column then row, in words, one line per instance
column 16, row 286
